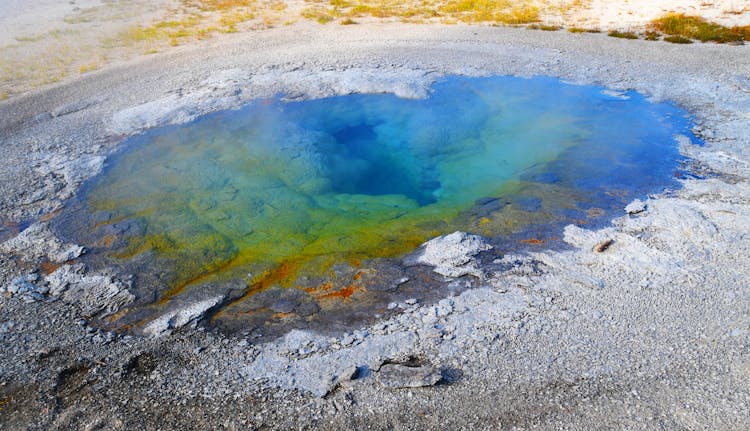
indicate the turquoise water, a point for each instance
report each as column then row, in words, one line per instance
column 280, row 192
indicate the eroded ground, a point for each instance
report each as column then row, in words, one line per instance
column 47, row 42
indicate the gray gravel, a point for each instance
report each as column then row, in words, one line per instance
column 650, row 333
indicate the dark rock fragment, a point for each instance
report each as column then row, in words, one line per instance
column 402, row 376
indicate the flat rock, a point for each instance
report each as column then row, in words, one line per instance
column 38, row 242
column 402, row 376
column 175, row 319
column 451, row 254
column 636, row 207
column 95, row 294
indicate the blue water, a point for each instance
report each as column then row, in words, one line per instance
column 279, row 191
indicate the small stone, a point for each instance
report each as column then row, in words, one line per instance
column 604, row 245
column 444, row 307
column 7, row 326
column 402, row 280
column 402, row 376
column 22, row 284
column 347, row 340
column 429, row 319
column 636, row 207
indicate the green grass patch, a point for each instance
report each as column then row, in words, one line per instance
column 583, row 30
column 468, row 11
column 321, row 15
column 622, row 34
column 652, row 35
column 697, row 28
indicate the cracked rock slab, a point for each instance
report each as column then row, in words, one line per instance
column 451, row 255
column 95, row 294
column 175, row 319
column 38, row 242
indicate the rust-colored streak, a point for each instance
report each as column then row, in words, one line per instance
column 178, row 289
column 117, row 316
column 282, row 273
column 49, row 267
column 343, row 293
column 12, row 226
column 325, row 290
column 533, row 241
column 49, row 216
column 107, row 241
column 317, row 289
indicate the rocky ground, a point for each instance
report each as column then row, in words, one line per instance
column 642, row 324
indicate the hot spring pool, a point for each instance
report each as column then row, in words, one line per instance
column 311, row 195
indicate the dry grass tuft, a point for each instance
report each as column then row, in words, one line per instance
column 681, row 26
column 320, row 14
column 652, row 35
column 622, row 34
column 506, row 12
column 583, row 30
column 85, row 68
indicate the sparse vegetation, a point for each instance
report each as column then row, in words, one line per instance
column 320, row 14
column 583, row 30
column 505, row 12
column 27, row 66
column 84, row 68
column 45, row 58
column 31, row 38
column 544, row 27
column 622, row 34
column 652, row 35
column 681, row 26
column 677, row 39
column 201, row 19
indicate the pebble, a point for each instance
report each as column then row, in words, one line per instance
column 7, row 326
